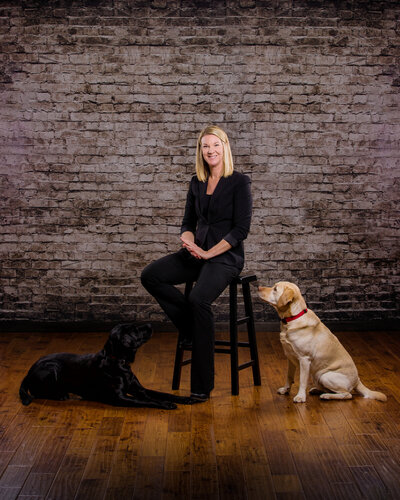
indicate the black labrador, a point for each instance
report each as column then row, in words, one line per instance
column 105, row 377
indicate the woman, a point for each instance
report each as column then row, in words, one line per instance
column 216, row 221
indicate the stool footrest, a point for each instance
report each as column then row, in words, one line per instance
column 228, row 343
column 243, row 320
column 246, row 365
column 222, row 351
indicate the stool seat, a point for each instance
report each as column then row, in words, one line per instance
column 244, row 279
column 229, row 346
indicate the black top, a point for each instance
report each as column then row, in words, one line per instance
column 227, row 217
column 206, row 205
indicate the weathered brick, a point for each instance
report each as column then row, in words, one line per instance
column 101, row 107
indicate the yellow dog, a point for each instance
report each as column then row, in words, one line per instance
column 308, row 343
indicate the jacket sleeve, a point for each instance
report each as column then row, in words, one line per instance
column 242, row 211
column 189, row 221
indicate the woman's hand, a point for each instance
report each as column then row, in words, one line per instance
column 188, row 236
column 194, row 249
column 221, row 247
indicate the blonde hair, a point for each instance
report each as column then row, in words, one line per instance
column 202, row 168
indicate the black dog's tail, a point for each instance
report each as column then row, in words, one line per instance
column 26, row 398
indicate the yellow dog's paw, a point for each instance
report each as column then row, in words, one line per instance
column 283, row 390
column 299, row 398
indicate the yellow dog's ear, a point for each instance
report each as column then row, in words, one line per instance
column 286, row 297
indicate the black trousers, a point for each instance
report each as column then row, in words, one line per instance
column 192, row 316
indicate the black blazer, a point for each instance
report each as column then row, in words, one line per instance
column 228, row 217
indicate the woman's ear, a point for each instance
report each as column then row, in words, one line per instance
column 286, row 297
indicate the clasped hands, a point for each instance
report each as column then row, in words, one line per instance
column 194, row 249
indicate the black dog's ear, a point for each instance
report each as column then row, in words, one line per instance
column 145, row 328
column 108, row 347
column 117, row 329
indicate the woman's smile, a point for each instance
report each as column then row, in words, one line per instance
column 212, row 150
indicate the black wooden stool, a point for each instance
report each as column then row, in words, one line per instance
column 232, row 344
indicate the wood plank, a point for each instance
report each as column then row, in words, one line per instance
column 346, row 491
column 149, row 478
column 226, row 443
column 176, row 485
column 37, row 484
column 71, row 470
column 123, row 476
column 372, row 442
column 287, row 484
column 389, row 471
column 111, row 426
column 5, row 458
column 69, row 476
column 52, row 451
column 203, row 443
column 256, row 470
column 355, row 455
column 155, row 435
column 369, row 483
column 91, row 488
column 258, row 480
column 177, row 454
column 9, row 493
column 15, row 434
column 280, row 458
column 27, row 452
column 101, row 458
column 204, row 482
column 339, row 427
column 231, row 480
column 132, row 432
column 14, row 476
column 314, row 478
column 329, row 455
column 179, row 420
column 260, row 441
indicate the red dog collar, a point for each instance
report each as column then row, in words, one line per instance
column 291, row 318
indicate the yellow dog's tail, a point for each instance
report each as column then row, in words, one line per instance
column 367, row 393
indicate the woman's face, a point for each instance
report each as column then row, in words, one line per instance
column 212, row 150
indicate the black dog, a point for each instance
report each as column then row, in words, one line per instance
column 105, row 376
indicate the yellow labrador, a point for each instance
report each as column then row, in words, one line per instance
column 308, row 343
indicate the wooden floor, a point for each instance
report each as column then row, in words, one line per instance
column 258, row 445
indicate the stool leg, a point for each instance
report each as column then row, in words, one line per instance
column 176, row 379
column 233, row 330
column 252, row 333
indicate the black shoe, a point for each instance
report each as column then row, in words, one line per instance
column 200, row 397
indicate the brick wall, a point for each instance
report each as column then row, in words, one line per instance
column 101, row 104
